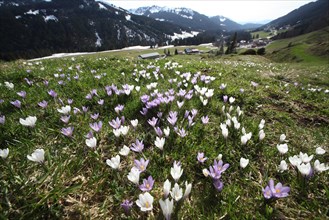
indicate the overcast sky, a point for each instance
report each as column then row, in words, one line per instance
column 237, row 10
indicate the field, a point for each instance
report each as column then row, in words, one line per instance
column 75, row 157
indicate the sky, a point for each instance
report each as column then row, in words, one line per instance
column 239, row 11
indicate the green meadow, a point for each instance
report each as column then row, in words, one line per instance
column 233, row 109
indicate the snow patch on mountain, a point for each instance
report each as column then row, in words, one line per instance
column 183, row 35
column 102, row 7
column 98, row 42
column 50, row 18
column 128, row 17
column 30, row 12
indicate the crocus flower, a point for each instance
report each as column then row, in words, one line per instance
column 282, row 148
column 9, row 85
column 43, row 104
column 261, row 135
column 145, row 202
column 138, row 146
column 127, row 205
column 283, row 166
column 295, row 160
column 119, row 109
column 218, row 184
column 91, row 142
column 147, row 184
column 52, row 93
column 115, row 123
column 159, row 142
column 305, row 169
column 166, row 131
column 94, row 116
column 166, row 188
column 205, row 119
column 277, row 191
column 188, row 188
column 152, row 121
column 97, row 126
column 29, row 121
column 176, row 171
column 4, row 153
column 282, row 137
column 114, row 162
column 22, row 94
column 225, row 97
column 141, row 164
column 172, row 118
column 181, row 132
column 176, row 192
column 201, row 157
column 320, row 151
column 16, row 103
column 167, row 207
column 320, row 167
column 100, row 102
column 133, row 175
column 67, row 131
column 243, row 162
column 65, row 118
column 134, row 123
column 37, row 156
column 124, row 151
column 2, row 119
column 305, row 158
column 65, row 110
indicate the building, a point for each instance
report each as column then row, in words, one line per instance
column 149, row 55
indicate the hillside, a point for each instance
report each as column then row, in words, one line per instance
column 307, row 48
column 310, row 17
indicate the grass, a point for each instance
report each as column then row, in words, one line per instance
column 74, row 181
column 308, row 48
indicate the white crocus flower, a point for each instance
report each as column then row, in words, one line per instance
column 304, row 168
column 91, row 142
column 176, row 192
column 231, row 100
column 29, row 121
column 65, row 110
column 37, row 156
column 145, row 202
column 320, row 167
column 124, row 130
column 9, row 85
column 117, row 132
column 166, row 131
column 166, row 188
column 159, row 142
column 305, row 158
column 282, row 137
column 4, row 153
column 295, row 160
column 133, row 175
column 244, row 162
column 261, row 135
column 167, row 207
column 205, row 172
column 114, row 162
column 283, row 166
column 124, row 151
column 282, row 148
column 176, row 172
column 320, row 151
column 134, row 123
column 187, row 189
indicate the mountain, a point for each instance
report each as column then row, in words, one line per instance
column 34, row 28
column 310, row 17
column 182, row 16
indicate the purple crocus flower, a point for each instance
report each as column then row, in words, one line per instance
column 218, row 184
column 144, row 111
column 158, row 131
column 254, row 84
column 2, row 101
column 221, row 168
column 46, row 82
column 100, row 102
column 278, row 191
column 89, row 96
column 115, row 123
column 76, row 110
column 138, row 146
column 145, row 98
column 2, row 119
column 152, row 121
column 147, row 184
column 65, row 118
column 22, row 94
column 94, row 116
column 16, row 103
column 28, row 81
column 52, row 93
column 181, row 132
column 225, row 97
column 89, row 135
column 43, row 104
column 97, row 126
column 141, row 164
column 69, row 101
column 201, row 157
column 85, row 109
column 205, row 119
column 67, row 131
column 94, row 92
column 127, row 205
column 119, row 108
column 159, row 114
column 242, row 90
column 172, row 118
